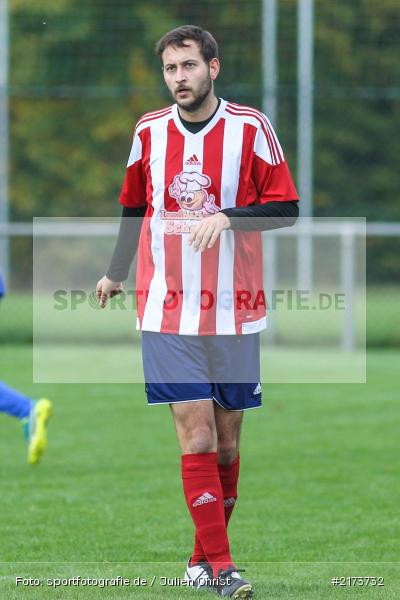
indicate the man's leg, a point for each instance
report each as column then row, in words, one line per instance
column 228, row 426
column 197, row 435
column 228, row 582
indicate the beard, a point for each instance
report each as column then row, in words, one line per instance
column 199, row 97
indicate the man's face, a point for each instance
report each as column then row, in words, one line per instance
column 188, row 77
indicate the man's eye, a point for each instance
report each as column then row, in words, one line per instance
column 169, row 69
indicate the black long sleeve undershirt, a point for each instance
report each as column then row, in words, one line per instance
column 260, row 217
column 126, row 244
column 263, row 217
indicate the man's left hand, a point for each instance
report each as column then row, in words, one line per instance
column 208, row 231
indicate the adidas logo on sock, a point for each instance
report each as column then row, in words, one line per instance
column 193, row 160
column 229, row 501
column 258, row 389
column 204, row 499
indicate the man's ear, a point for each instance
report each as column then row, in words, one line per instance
column 214, row 68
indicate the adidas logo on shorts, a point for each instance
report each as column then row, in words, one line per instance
column 258, row 389
column 204, row 499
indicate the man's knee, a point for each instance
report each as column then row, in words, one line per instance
column 227, row 450
column 200, row 440
column 195, row 426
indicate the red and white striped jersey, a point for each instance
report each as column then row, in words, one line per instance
column 182, row 177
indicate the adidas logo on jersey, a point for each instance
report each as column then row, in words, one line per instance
column 204, row 499
column 229, row 501
column 193, row 160
column 258, row 389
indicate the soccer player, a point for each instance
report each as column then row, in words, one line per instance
column 33, row 415
column 205, row 175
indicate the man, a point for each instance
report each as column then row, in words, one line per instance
column 207, row 174
column 33, row 415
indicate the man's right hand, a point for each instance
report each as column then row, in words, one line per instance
column 106, row 289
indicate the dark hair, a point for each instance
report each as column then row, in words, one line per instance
column 207, row 44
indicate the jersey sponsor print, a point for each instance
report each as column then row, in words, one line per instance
column 183, row 177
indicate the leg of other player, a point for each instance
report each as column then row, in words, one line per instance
column 14, row 403
column 33, row 416
column 197, row 435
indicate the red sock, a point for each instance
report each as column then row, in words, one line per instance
column 228, row 475
column 203, row 493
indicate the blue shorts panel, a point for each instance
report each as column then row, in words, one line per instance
column 186, row 368
column 169, row 358
column 238, row 396
column 168, row 393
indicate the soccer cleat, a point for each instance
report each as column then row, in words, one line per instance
column 37, row 432
column 199, row 576
column 231, row 585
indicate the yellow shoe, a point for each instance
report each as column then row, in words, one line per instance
column 40, row 414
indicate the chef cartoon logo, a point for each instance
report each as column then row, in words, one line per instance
column 190, row 192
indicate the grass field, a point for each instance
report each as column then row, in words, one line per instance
column 310, row 328
column 319, row 490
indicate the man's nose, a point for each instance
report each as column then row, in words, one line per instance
column 180, row 75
